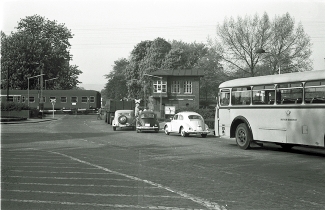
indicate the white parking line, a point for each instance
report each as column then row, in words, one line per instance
column 38, row 177
column 55, row 172
column 74, row 185
column 198, row 200
column 100, row 205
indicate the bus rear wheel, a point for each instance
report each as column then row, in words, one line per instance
column 243, row 136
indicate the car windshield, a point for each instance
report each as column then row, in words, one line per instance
column 195, row 117
column 148, row 115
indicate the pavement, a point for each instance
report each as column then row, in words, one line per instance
column 26, row 120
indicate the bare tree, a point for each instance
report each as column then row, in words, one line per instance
column 287, row 48
column 239, row 39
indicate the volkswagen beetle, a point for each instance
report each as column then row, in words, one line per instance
column 124, row 119
column 147, row 121
column 187, row 123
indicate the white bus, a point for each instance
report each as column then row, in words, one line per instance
column 287, row 109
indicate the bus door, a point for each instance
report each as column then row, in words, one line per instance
column 223, row 114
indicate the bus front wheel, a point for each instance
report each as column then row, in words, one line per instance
column 243, row 136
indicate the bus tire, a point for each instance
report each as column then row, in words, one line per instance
column 244, row 136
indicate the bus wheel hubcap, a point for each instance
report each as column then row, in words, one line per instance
column 242, row 136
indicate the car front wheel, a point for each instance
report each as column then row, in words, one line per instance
column 183, row 133
column 166, row 130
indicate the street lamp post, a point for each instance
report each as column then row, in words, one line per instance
column 48, row 80
column 28, row 85
column 160, row 105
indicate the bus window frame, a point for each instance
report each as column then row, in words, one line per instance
column 278, row 89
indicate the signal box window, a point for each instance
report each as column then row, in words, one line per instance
column 241, row 96
column 289, row 93
column 188, row 87
column 159, row 86
column 63, row 99
column 74, row 99
column 84, row 99
column 175, row 87
column 31, row 99
column 264, row 94
column 92, row 99
column 225, row 97
column 315, row 92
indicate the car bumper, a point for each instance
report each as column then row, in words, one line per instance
column 125, row 126
column 147, row 128
column 197, row 132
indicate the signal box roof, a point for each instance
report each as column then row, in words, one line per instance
column 179, row 72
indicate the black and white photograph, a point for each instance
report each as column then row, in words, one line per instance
column 162, row 104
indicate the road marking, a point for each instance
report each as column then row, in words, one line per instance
column 100, row 205
column 55, row 172
column 38, row 177
column 75, row 185
column 198, row 200
column 93, row 194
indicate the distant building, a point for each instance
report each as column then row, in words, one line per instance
column 177, row 88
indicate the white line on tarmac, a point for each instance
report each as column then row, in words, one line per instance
column 100, row 205
column 93, row 194
column 38, row 177
column 198, row 200
column 76, row 185
column 63, row 167
column 55, row 172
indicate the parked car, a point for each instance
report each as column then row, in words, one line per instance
column 123, row 119
column 147, row 121
column 187, row 123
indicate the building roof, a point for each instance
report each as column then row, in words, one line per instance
column 179, row 72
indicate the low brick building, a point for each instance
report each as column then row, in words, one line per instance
column 177, row 88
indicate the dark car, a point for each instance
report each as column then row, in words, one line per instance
column 147, row 121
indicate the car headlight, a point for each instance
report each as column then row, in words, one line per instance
column 189, row 128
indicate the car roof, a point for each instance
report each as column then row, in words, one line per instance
column 119, row 111
column 188, row 113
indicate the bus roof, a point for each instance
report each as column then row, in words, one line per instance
column 275, row 79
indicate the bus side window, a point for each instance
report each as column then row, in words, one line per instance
column 224, row 97
column 315, row 92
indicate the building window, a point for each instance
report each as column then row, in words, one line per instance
column 188, row 87
column 159, row 86
column 74, row 99
column 63, row 99
column 92, row 99
column 31, row 99
column 84, row 99
column 175, row 87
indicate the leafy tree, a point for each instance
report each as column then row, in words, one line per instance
column 116, row 88
column 38, row 46
column 132, row 73
column 184, row 55
column 213, row 74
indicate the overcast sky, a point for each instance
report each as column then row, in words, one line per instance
column 105, row 31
